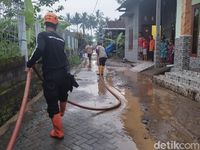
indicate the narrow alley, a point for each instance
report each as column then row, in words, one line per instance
column 100, row 75
column 144, row 118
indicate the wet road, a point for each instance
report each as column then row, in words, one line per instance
column 84, row 129
column 150, row 114
column 154, row 113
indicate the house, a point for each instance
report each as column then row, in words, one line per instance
column 187, row 53
column 114, row 28
column 114, row 37
column 184, row 77
column 173, row 21
column 140, row 16
column 179, row 21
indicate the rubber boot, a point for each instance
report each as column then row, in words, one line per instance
column 62, row 108
column 102, row 70
column 57, row 131
column 99, row 73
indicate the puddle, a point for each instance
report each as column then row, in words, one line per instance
column 156, row 114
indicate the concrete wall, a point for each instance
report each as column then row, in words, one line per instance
column 132, row 22
column 71, row 41
column 12, row 83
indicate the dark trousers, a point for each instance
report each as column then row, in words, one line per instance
column 56, row 89
column 89, row 57
column 151, row 55
column 102, row 61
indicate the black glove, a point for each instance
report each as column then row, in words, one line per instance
column 72, row 82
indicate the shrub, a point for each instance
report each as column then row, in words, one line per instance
column 74, row 60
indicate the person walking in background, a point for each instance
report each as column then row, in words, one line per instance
column 140, row 46
column 145, row 48
column 50, row 46
column 89, row 51
column 101, row 53
column 170, row 52
column 163, row 50
column 151, row 48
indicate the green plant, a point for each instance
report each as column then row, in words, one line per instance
column 74, row 60
column 8, row 39
column 11, row 51
column 119, row 41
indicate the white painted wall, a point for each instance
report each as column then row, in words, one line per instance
column 132, row 22
column 178, row 18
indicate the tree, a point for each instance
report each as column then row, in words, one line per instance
column 101, row 23
column 10, row 8
column 84, row 21
column 88, row 22
column 92, row 23
column 68, row 18
column 76, row 20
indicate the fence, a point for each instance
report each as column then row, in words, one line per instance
column 9, row 45
column 8, row 38
column 15, row 40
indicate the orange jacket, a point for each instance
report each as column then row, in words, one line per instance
column 152, row 45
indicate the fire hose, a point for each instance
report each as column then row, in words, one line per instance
column 25, row 99
column 21, row 113
column 86, row 107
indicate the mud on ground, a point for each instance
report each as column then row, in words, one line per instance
column 154, row 113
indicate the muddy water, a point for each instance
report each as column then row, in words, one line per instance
column 154, row 113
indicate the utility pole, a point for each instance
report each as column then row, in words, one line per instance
column 22, row 37
column 37, row 29
column 158, row 34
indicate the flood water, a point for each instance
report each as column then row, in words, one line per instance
column 151, row 113
column 154, row 113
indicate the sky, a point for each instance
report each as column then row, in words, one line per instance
column 108, row 7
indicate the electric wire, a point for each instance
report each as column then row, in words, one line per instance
column 95, row 6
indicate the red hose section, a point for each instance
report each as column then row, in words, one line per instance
column 21, row 113
column 96, row 109
column 87, row 107
column 25, row 99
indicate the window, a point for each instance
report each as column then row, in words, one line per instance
column 196, row 28
column 130, row 39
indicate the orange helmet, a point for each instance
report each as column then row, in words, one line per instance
column 51, row 17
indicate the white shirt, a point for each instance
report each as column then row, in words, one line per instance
column 88, row 49
column 101, row 51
